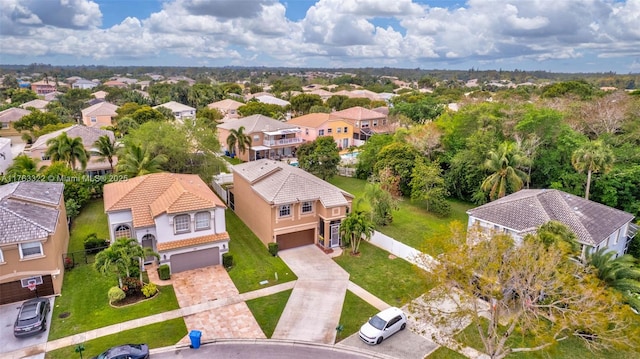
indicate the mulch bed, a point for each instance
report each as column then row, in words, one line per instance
column 132, row 299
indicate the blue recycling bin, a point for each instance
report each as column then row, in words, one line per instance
column 194, row 336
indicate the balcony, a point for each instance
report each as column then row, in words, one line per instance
column 282, row 142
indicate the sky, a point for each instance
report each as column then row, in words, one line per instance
column 549, row 35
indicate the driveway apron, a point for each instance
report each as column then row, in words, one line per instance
column 314, row 307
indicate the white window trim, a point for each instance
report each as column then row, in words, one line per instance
column 280, row 208
column 22, row 256
column 302, row 208
column 175, row 224
column 208, row 226
column 1, row 256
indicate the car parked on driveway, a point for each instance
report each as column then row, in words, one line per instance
column 126, row 351
column 32, row 317
column 383, row 325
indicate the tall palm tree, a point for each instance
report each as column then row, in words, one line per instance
column 355, row 227
column 105, row 149
column 68, row 150
column 593, row 157
column 121, row 257
column 505, row 176
column 23, row 165
column 240, row 139
column 620, row 273
column 136, row 161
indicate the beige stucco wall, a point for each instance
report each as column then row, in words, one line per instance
column 101, row 121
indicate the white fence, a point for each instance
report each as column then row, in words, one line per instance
column 218, row 184
column 402, row 250
column 346, row 171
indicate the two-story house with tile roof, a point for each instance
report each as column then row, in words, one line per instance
column 315, row 125
column 33, row 238
column 177, row 215
column 365, row 122
column 99, row 115
column 596, row 225
column 286, row 205
column 180, row 112
column 43, row 87
column 227, row 107
column 8, row 117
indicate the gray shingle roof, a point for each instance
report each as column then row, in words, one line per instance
column 526, row 210
column 279, row 183
column 28, row 210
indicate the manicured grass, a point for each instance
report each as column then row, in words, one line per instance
column 412, row 224
column 267, row 310
column 355, row 312
column 252, row 261
column 84, row 297
column 92, row 219
column 395, row 281
column 445, row 353
column 172, row 332
column 233, row 161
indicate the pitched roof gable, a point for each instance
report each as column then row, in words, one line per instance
column 256, row 123
column 89, row 136
column 358, row 113
column 313, row 120
column 100, row 109
column 176, row 106
column 13, row 114
column 226, row 104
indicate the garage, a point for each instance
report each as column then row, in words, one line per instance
column 14, row 291
column 196, row 259
column 295, row 239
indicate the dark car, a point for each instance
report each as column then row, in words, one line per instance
column 32, row 317
column 127, row 351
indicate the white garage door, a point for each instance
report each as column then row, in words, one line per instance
column 192, row 260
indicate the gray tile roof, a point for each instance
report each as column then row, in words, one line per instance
column 256, row 123
column 526, row 210
column 28, row 210
column 279, row 183
column 89, row 136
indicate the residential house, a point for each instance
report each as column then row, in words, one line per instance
column 43, row 87
column 177, row 215
column 52, row 96
column 596, row 225
column 6, row 154
column 100, row 94
column 8, row 117
column 272, row 100
column 99, row 115
column 115, row 83
column 83, row 84
column 324, row 94
column 314, row 125
column 33, row 239
column 38, row 104
column 227, row 107
column 286, row 205
column 89, row 136
column 269, row 138
column 180, row 111
column 365, row 122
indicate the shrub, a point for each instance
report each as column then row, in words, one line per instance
column 149, row 289
column 93, row 244
column 115, row 294
column 273, row 249
column 164, row 272
column 227, row 260
column 68, row 263
column 131, row 285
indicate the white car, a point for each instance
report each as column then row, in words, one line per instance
column 383, row 325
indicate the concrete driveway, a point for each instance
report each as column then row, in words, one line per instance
column 8, row 313
column 404, row 344
column 314, row 307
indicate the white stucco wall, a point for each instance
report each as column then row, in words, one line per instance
column 7, row 156
column 116, row 218
column 165, row 229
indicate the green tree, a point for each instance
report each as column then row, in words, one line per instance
column 240, row 140
column 105, row 149
column 335, row 102
column 592, row 157
column 123, row 257
column 420, row 112
column 76, row 193
column 22, row 165
column 621, row 273
column 20, row 96
column 147, row 114
column 301, row 104
column 67, row 150
column 259, row 108
column 136, row 161
column 400, row 158
column 355, row 227
column 320, row 157
column 382, row 203
column 505, row 175
column 368, row 155
column 428, row 185
column 36, row 120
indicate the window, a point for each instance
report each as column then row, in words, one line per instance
column 94, row 119
column 320, row 132
column 339, row 130
column 1, row 257
column 181, row 223
column 365, row 124
column 307, row 207
column 285, row 210
column 203, row 220
column 122, row 231
column 375, row 122
column 5, row 125
column 329, row 130
column 256, row 138
column 306, row 131
column 44, row 157
column 346, row 130
column 32, row 249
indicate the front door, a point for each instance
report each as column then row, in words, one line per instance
column 334, row 230
column 148, row 241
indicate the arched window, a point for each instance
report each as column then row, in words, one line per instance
column 122, row 231
column 181, row 223
column 203, row 220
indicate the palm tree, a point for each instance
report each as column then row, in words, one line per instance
column 135, row 161
column 105, row 149
column 505, row 176
column 68, row 150
column 121, row 257
column 354, row 227
column 23, row 165
column 240, row 139
column 620, row 273
column 592, row 157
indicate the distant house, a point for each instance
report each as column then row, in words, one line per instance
column 8, row 117
column 365, row 122
column 272, row 100
column 324, row 94
column 286, row 205
column 52, row 96
column 43, row 87
column 33, row 239
column 314, row 125
column 83, row 84
column 99, row 115
column 177, row 215
column 38, row 104
column 180, row 112
column 100, row 94
column 269, row 138
column 596, row 225
column 6, row 155
column 89, row 136
column 114, row 83
column 227, row 107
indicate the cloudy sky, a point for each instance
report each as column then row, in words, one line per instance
column 552, row 35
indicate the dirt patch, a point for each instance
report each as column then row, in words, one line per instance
column 391, row 256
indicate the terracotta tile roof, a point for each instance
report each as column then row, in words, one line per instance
column 190, row 242
column 226, row 104
column 526, row 210
column 151, row 195
column 101, row 109
column 313, row 120
column 256, row 123
column 358, row 113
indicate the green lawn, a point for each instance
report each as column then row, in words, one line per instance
column 172, row 332
column 395, row 281
column 445, row 353
column 233, row 161
column 92, row 219
column 412, row 223
column 252, row 261
column 267, row 310
column 355, row 312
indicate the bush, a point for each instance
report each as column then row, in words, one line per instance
column 149, row 289
column 115, row 294
column 93, row 244
column 131, row 286
column 227, row 260
column 164, row 272
column 273, row 249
